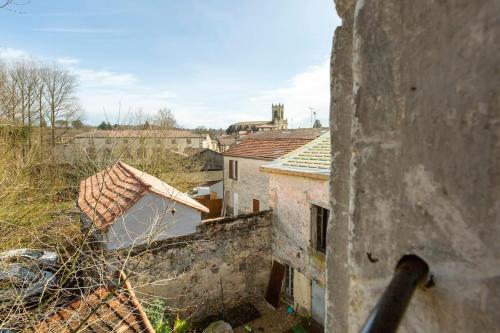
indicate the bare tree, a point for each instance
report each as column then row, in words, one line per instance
column 59, row 94
column 5, row 3
column 165, row 119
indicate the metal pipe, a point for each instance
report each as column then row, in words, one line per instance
column 390, row 309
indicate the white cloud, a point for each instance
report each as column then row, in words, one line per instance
column 68, row 61
column 94, row 78
column 305, row 90
column 8, row 54
column 76, row 30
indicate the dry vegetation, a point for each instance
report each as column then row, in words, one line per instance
column 38, row 190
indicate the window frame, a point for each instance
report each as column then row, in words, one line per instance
column 233, row 169
column 288, row 281
column 319, row 226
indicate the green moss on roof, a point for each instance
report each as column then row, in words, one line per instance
column 314, row 157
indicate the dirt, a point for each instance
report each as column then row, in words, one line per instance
column 236, row 316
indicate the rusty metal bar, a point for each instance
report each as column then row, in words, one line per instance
column 390, row 309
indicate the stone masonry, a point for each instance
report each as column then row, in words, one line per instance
column 415, row 121
column 232, row 253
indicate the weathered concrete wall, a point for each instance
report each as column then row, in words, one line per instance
column 188, row 271
column 416, row 143
column 251, row 184
column 291, row 198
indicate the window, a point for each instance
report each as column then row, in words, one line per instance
column 319, row 222
column 289, row 280
column 255, row 205
column 174, row 141
column 188, row 141
column 233, row 169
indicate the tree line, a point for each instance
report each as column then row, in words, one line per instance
column 35, row 95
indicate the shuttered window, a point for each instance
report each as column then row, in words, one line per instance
column 233, row 169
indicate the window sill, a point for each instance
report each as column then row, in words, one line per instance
column 318, row 258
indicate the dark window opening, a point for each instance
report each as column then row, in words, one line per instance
column 319, row 223
column 289, row 280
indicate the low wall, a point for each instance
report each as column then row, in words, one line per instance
column 225, row 263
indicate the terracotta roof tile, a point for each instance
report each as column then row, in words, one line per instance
column 114, row 311
column 265, row 149
column 108, row 194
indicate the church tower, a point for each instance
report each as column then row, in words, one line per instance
column 278, row 116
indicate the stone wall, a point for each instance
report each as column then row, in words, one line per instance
column 415, row 135
column 232, row 253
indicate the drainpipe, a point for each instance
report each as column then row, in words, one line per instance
column 390, row 309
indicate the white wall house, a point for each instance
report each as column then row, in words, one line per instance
column 299, row 197
column 246, row 187
column 126, row 207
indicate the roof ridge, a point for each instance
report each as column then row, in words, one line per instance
column 125, row 167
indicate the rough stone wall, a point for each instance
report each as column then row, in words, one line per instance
column 416, row 141
column 189, row 271
column 290, row 198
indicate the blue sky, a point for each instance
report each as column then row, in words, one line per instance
column 212, row 62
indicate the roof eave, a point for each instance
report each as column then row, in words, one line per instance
column 299, row 173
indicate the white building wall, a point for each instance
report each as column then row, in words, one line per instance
column 218, row 188
column 151, row 219
column 251, row 184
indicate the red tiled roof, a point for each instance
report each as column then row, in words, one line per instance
column 108, row 194
column 265, row 149
column 114, row 311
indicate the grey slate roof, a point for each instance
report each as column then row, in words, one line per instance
column 311, row 159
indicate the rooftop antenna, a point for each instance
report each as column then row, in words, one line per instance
column 313, row 115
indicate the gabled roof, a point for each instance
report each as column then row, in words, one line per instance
column 270, row 145
column 115, row 311
column 312, row 160
column 173, row 133
column 266, row 150
column 108, row 194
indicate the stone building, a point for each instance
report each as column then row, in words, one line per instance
column 127, row 207
column 245, row 186
column 129, row 143
column 415, row 124
column 278, row 122
column 299, row 198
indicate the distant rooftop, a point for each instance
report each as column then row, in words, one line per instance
column 270, row 145
column 140, row 134
column 313, row 159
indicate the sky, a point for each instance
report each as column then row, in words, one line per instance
column 212, row 62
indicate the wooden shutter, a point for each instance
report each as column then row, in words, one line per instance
column 231, row 169
column 275, row 281
column 256, row 205
column 235, row 169
column 312, row 240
